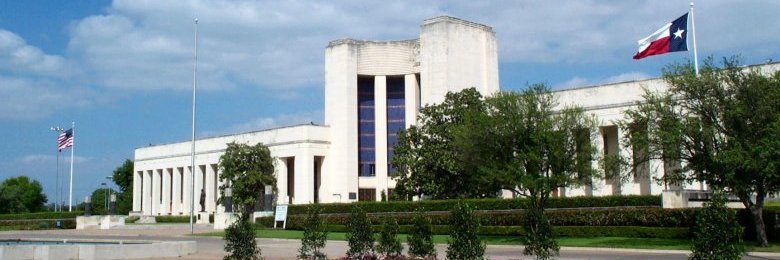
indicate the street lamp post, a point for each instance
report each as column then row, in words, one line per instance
column 105, row 195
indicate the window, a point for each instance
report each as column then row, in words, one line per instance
column 366, row 194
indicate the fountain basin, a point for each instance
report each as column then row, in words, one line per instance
column 93, row 249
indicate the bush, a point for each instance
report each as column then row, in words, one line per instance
column 716, row 234
column 539, row 240
column 314, row 235
column 464, row 242
column 173, row 219
column 37, row 224
column 420, row 237
column 240, row 240
column 389, row 245
column 483, row 204
column 42, row 215
column 360, row 237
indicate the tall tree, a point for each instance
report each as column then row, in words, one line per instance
column 246, row 170
column 722, row 125
column 123, row 177
column 425, row 156
column 533, row 147
column 20, row 195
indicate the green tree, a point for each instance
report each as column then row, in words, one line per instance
column 389, row 245
column 246, row 170
column 240, row 240
column 716, row 234
column 99, row 201
column 314, row 234
column 123, row 178
column 464, row 242
column 533, row 146
column 21, row 195
column 360, row 237
column 420, row 238
column 722, row 126
column 427, row 160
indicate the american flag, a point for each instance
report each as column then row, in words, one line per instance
column 65, row 139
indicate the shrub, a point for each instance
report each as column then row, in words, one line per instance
column 240, row 240
column 360, row 237
column 716, row 234
column 539, row 239
column 389, row 245
column 464, row 242
column 42, row 215
column 314, row 235
column 173, row 219
column 420, row 239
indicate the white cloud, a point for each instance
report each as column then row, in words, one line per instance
column 38, row 159
column 30, row 98
column 17, row 57
column 583, row 82
column 280, row 120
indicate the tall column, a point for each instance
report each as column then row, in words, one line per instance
column 147, row 193
column 281, row 180
column 137, row 186
column 166, row 191
column 187, row 204
column 220, row 207
column 211, row 191
column 156, row 185
column 411, row 98
column 380, row 133
column 304, row 177
column 177, row 200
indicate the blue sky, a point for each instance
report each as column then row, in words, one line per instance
column 122, row 70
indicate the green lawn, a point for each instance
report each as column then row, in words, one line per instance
column 607, row 242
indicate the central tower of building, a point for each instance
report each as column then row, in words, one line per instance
column 374, row 89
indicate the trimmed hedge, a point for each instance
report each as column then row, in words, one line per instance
column 36, row 224
column 625, row 222
column 483, row 204
column 41, row 215
column 173, row 219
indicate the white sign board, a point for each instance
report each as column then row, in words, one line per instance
column 281, row 215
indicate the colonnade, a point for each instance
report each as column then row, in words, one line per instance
column 166, row 191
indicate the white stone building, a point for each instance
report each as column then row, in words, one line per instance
column 372, row 89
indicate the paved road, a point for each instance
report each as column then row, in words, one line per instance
column 212, row 247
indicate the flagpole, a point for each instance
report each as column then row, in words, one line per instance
column 695, row 52
column 72, row 147
column 192, row 165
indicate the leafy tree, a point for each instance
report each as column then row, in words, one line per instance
column 723, row 126
column 246, row 170
column 427, row 160
column 123, row 177
column 389, row 245
column 314, row 235
column 716, row 234
column 240, row 240
column 539, row 240
column 21, row 195
column 360, row 238
column 99, row 200
column 532, row 147
column 420, row 238
column 464, row 242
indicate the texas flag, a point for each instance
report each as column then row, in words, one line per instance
column 669, row 38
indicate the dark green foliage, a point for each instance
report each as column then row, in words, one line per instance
column 427, row 159
column 247, row 170
column 100, row 199
column 485, row 204
column 389, row 245
column 36, row 224
column 360, row 237
column 539, row 238
column 716, row 234
column 173, row 219
column 21, row 195
column 420, row 239
column 314, row 234
column 42, row 215
column 721, row 125
column 464, row 242
column 123, row 177
column 240, row 240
